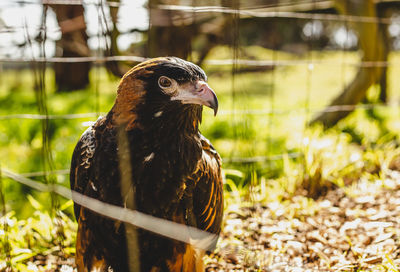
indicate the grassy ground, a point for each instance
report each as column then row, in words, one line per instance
column 364, row 146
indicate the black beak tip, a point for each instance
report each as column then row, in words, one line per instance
column 214, row 105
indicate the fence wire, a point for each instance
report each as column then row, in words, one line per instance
column 224, row 62
column 204, row 240
column 335, row 108
column 258, row 11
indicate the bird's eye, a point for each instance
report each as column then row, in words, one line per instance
column 164, row 82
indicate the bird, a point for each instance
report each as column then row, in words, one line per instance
column 147, row 154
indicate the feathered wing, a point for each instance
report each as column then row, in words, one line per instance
column 100, row 243
column 203, row 208
column 79, row 180
column 208, row 193
column 80, row 164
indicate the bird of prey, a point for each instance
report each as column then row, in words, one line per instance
column 148, row 154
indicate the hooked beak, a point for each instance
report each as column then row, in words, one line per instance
column 200, row 94
column 207, row 96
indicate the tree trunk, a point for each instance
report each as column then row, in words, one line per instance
column 73, row 43
column 170, row 31
column 114, row 66
column 372, row 43
column 385, row 12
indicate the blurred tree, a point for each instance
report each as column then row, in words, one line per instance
column 275, row 33
column 73, row 43
column 386, row 9
column 373, row 43
column 170, row 31
column 112, row 49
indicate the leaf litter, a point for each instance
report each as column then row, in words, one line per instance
column 353, row 229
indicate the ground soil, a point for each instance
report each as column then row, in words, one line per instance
column 354, row 229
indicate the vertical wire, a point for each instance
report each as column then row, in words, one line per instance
column 105, row 30
column 97, row 89
column 381, row 30
column 271, row 115
column 194, row 25
column 97, row 69
column 149, row 39
column 235, row 55
column 373, row 70
column 100, row 34
column 379, row 53
column 49, row 162
column 6, row 244
column 272, row 103
column 343, row 66
column 310, row 68
column 42, row 100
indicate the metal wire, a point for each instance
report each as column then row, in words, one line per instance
column 95, row 59
column 5, row 241
column 60, row 2
column 43, row 173
column 204, row 240
column 336, row 108
column 53, row 117
column 224, row 62
column 258, row 11
column 280, row 14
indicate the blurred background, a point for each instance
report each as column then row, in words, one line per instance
column 308, row 89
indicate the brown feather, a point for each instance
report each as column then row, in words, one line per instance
column 130, row 94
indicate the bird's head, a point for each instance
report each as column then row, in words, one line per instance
column 167, row 84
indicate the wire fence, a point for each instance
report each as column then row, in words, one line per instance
column 290, row 10
column 243, row 62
